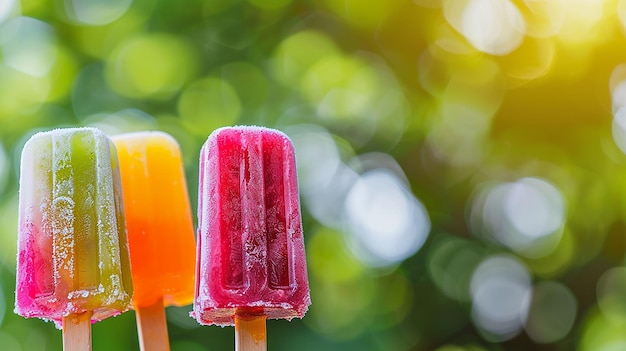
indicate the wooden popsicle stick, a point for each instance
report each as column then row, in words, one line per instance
column 77, row 332
column 152, row 327
column 250, row 333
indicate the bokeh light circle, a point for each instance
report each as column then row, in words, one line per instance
column 535, row 207
column 552, row 312
column 341, row 87
column 207, row 104
column 501, row 291
column 8, row 8
column 150, row 66
column 386, row 222
column 619, row 127
column 96, row 12
column 544, row 19
column 28, row 45
column 323, row 177
column 600, row 332
column 493, row 26
column 21, row 93
column 451, row 262
column 298, row 52
column 527, row 215
column 611, row 289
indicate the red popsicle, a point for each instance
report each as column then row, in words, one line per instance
column 251, row 261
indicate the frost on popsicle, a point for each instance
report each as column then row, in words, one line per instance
column 72, row 250
column 251, row 256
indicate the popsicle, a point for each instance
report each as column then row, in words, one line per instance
column 160, row 230
column 73, row 264
column 251, row 261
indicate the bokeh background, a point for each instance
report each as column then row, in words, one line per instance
column 461, row 162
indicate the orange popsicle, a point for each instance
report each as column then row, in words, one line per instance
column 160, row 230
